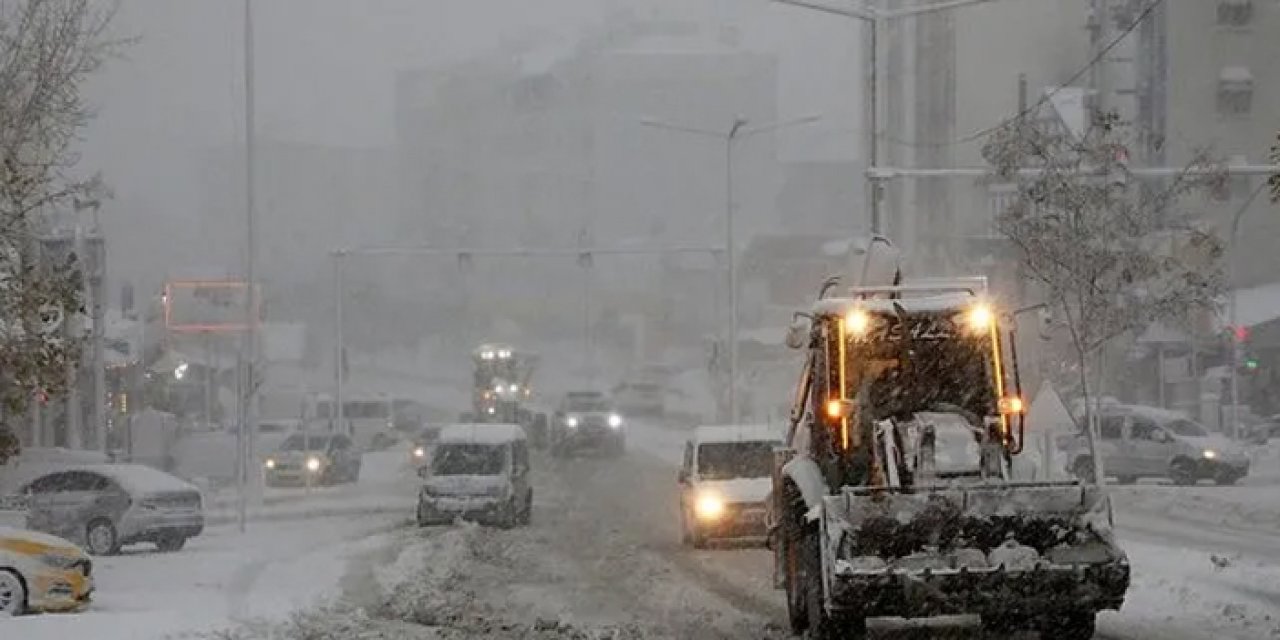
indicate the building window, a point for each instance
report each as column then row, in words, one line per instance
column 1235, row 91
column 1000, row 198
column 1235, row 13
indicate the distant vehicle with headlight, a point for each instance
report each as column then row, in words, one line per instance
column 477, row 472
column 1148, row 442
column 725, row 481
column 316, row 458
column 587, row 420
column 423, row 442
column 40, row 572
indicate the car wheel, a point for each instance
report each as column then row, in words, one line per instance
column 13, row 593
column 1083, row 468
column 526, row 517
column 1226, row 479
column 101, row 538
column 169, row 543
column 1182, row 472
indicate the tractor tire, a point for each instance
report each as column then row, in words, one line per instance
column 822, row 625
column 1075, row 625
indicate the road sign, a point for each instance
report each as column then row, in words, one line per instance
column 207, row 306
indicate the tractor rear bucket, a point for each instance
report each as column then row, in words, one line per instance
column 991, row 548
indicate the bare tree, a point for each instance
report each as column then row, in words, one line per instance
column 1112, row 254
column 48, row 48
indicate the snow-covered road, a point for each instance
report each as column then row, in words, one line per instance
column 603, row 559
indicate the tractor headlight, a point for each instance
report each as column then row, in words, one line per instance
column 514, row 388
column 1210, row 454
column 313, row 464
column 615, row 420
column 980, row 319
column 856, row 322
column 571, row 422
column 709, row 507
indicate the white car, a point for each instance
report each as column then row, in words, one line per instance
column 725, row 482
column 40, row 572
column 477, row 472
column 1147, row 442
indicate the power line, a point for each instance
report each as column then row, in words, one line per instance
column 1094, row 61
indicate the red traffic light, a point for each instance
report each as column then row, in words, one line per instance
column 1241, row 333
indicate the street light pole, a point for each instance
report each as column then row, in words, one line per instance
column 737, row 131
column 877, row 15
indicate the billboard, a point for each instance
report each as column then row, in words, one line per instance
column 208, row 306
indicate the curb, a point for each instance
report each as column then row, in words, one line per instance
column 222, row 518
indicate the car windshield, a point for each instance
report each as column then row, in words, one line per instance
column 298, row 442
column 587, row 403
column 729, row 460
column 1186, row 428
column 468, row 460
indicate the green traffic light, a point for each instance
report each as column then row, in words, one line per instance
column 1251, row 363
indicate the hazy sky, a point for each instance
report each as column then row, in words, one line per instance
column 325, row 74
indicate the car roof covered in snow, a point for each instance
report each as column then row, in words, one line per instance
column 481, row 434
column 736, row 433
column 136, row 478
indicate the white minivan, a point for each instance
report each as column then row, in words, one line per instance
column 477, row 472
column 1148, row 442
column 725, row 481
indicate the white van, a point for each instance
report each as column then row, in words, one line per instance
column 725, row 481
column 477, row 472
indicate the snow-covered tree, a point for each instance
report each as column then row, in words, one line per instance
column 48, row 48
column 1112, row 254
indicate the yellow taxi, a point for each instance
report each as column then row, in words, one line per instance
column 40, row 572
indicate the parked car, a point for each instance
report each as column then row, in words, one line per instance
column 313, row 458
column 1145, row 442
column 477, row 472
column 725, row 481
column 107, row 506
column 40, row 572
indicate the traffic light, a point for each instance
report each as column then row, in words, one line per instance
column 1241, row 333
column 1250, row 363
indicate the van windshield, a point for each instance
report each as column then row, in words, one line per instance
column 729, row 460
column 1186, row 428
column 468, row 460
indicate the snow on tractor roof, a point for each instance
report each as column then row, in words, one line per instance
column 736, row 433
column 921, row 304
column 481, row 434
column 140, row 479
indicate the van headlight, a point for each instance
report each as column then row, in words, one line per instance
column 1210, row 454
column 419, row 452
column 270, row 463
column 313, row 464
column 615, row 420
column 709, row 507
column 571, row 421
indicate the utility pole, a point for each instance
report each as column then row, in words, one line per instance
column 248, row 365
column 737, row 130
column 1101, row 71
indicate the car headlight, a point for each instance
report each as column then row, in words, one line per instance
column 270, row 464
column 1210, row 454
column 513, row 388
column 709, row 507
column 59, row 561
column 419, row 452
column 615, row 420
column 571, row 421
column 313, row 464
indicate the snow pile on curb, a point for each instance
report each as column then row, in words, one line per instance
column 421, row 593
column 1223, row 594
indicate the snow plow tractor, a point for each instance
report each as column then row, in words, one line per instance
column 893, row 497
column 501, row 392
